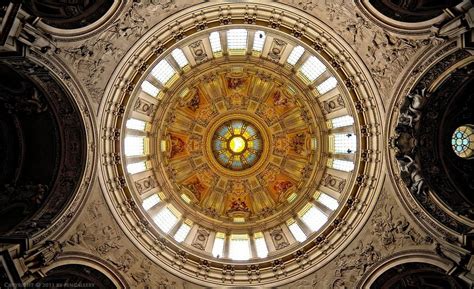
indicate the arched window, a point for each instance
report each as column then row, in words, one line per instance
column 218, row 247
column 239, row 248
column 295, row 55
column 259, row 41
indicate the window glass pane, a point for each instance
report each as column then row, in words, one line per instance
column 314, row 143
column 239, row 248
column 327, row 85
column 312, row 68
column 186, row 198
column 134, row 146
column 260, row 245
column 258, row 41
column 182, row 232
column 462, row 141
column 292, row 197
column 215, row 42
column 237, row 39
column 328, row 201
column 136, row 124
column 136, row 167
column 239, row 220
column 178, row 55
column 163, row 71
column 295, row 55
column 314, row 218
column 297, row 232
column 151, row 201
column 345, row 143
column 218, row 247
column 150, row 88
column 341, row 165
column 165, row 219
column 342, row 121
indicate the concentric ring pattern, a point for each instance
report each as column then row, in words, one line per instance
column 237, row 145
column 241, row 146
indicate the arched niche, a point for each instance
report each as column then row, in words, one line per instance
column 416, row 275
column 419, row 268
column 71, row 19
column 416, row 18
column 74, row 276
column 68, row 14
column 30, row 135
column 412, row 10
column 432, row 179
column 448, row 175
column 43, row 134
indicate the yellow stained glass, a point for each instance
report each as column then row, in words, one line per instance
column 237, row 145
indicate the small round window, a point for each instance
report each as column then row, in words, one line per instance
column 462, row 141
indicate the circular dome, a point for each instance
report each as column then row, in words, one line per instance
column 463, row 141
column 237, row 147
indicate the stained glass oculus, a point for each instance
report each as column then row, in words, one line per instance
column 462, row 141
column 237, row 145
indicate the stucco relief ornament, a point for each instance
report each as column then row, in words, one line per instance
column 143, row 275
column 411, row 173
column 124, row 262
column 91, row 58
column 360, row 259
column 43, row 256
column 386, row 53
column 306, row 4
column 155, row 5
column 393, row 231
column 404, row 141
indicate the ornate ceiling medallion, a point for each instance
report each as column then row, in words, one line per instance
column 237, row 145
